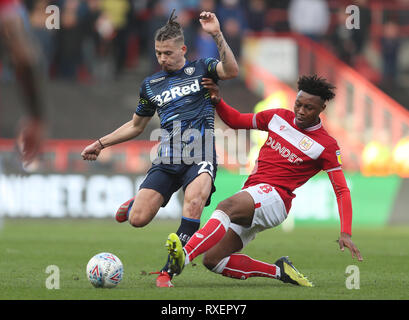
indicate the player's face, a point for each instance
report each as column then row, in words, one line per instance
column 170, row 54
column 307, row 109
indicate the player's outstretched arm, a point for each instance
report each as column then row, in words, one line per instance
column 229, row 115
column 127, row 131
column 228, row 68
column 343, row 196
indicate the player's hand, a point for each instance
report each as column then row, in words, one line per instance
column 91, row 152
column 345, row 241
column 209, row 22
column 30, row 139
column 213, row 88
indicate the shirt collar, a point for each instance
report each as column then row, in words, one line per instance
column 313, row 128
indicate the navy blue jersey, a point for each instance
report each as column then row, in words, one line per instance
column 185, row 111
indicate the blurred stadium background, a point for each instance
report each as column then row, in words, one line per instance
column 98, row 58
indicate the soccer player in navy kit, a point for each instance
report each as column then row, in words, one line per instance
column 186, row 155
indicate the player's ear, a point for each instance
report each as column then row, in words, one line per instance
column 184, row 49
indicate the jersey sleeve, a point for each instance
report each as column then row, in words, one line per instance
column 145, row 108
column 331, row 157
column 262, row 119
column 233, row 118
column 343, row 196
column 211, row 71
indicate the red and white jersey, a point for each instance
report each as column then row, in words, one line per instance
column 291, row 156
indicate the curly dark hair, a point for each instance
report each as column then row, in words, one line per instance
column 171, row 30
column 316, row 86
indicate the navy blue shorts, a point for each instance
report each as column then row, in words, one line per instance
column 169, row 178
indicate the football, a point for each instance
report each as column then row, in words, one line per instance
column 105, row 270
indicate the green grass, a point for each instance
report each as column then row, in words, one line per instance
column 28, row 246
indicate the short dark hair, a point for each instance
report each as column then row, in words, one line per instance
column 316, row 86
column 171, row 30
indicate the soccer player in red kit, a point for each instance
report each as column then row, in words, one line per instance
column 297, row 148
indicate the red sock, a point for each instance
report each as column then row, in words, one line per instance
column 205, row 238
column 242, row 267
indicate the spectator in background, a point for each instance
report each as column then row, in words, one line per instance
column 360, row 36
column 204, row 44
column 169, row 5
column 181, row 5
column 256, row 12
column 158, row 18
column 69, row 40
column 233, row 36
column 276, row 18
column 105, row 34
column 43, row 36
column 117, row 11
column 91, row 39
column 309, row 17
column 232, row 9
column 140, row 23
column 402, row 16
column 207, row 5
column 390, row 45
column 342, row 39
column 186, row 21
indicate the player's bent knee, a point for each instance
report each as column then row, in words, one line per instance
column 138, row 220
column 193, row 208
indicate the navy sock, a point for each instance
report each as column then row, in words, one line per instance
column 186, row 229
